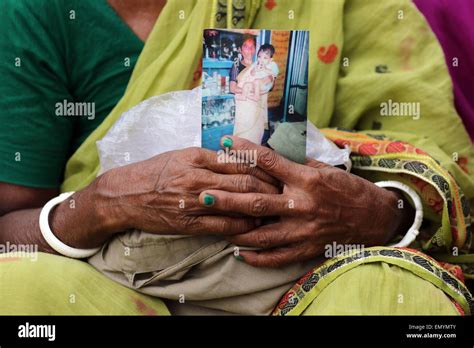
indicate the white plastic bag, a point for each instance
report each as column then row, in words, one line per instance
column 320, row 148
column 172, row 121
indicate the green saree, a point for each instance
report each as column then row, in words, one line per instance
column 362, row 54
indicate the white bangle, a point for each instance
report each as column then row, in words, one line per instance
column 413, row 231
column 52, row 240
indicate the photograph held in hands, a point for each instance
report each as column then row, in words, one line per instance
column 255, row 86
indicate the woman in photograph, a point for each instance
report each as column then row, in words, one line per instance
column 254, row 82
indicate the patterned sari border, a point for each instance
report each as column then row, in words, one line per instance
column 298, row 298
column 377, row 152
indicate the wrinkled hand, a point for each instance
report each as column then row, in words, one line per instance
column 319, row 205
column 160, row 195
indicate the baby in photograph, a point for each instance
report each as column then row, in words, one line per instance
column 259, row 76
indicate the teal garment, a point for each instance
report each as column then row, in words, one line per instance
column 51, row 51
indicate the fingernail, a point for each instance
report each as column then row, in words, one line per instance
column 239, row 257
column 209, row 199
column 227, row 142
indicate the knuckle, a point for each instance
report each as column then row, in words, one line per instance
column 270, row 260
column 195, row 154
column 220, row 226
column 310, row 230
column 269, row 159
column 245, row 145
column 258, row 206
column 193, row 151
column 314, row 205
column 241, row 167
column 309, row 179
column 263, row 241
column 277, row 261
column 188, row 221
column 189, row 181
column 247, row 183
column 254, row 171
column 308, row 207
column 228, row 225
column 225, row 226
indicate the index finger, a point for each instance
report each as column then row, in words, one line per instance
column 266, row 158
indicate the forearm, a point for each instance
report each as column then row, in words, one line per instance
column 263, row 82
column 21, row 227
column 84, row 220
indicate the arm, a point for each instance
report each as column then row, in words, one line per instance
column 254, row 93
column 264, row 81
column 234, row 88
column 83, row 221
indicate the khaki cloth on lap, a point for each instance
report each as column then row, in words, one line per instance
column 209, row 279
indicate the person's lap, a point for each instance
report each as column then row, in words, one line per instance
column 61, row 286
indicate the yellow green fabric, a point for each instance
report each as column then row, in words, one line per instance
column 381, row 286
column 403, row 298
column 55, row 285
column 45, row 284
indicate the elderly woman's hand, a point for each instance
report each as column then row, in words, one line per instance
column 319, row 205
column 160, row 195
